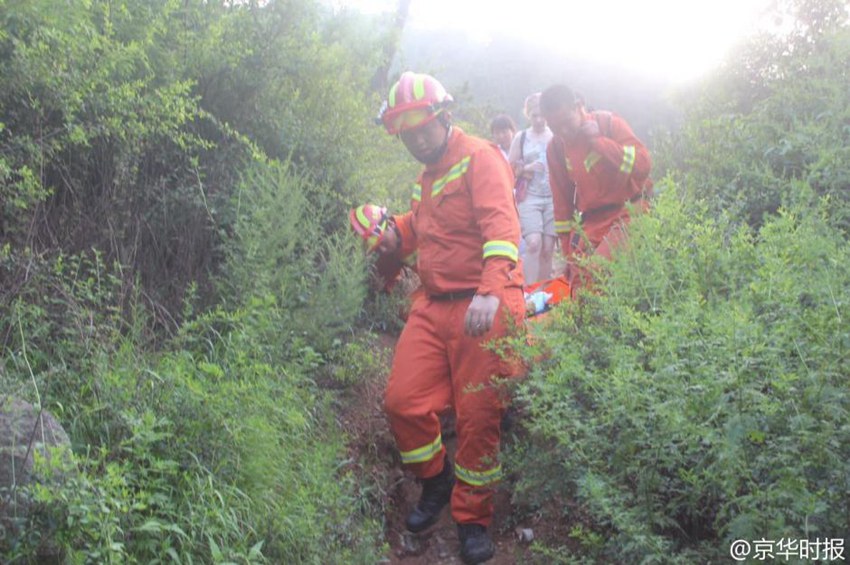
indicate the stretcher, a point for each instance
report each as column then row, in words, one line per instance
column 541, row 296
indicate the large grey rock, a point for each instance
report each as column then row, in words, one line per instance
column 24, row 431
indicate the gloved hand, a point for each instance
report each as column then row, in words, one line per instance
column 480, row 314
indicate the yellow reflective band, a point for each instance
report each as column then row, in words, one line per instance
column 592, row 158
column 562, row 226
column 478, row 478
column 419, row 87
column 361, row 217
column 502, row 248
column 454, row 173
column 391, row 97
column 422, row 454
column 628, row 159
column 410, row 260
column 417, row 193
column 569, row 165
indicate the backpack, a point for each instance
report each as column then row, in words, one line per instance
column 521, row 185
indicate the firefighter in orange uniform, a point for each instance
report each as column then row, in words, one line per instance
column 464, row 226
column 598, row 170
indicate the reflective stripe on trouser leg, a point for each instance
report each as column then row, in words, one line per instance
column 418, row 390
column 479, row 405
column 479, row 478
column 422, row 454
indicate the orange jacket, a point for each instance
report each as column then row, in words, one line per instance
column 463, row 223
column 597, row 177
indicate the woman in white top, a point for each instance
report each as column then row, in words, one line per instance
column 536, row 212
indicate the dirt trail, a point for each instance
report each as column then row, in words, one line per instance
column 439, row 545
column 372, row 443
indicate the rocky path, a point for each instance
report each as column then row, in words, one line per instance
column 373, row 445
column 439, row 545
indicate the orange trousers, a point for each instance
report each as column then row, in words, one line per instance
column 437, row 367
column 600, row 241
column 601, row 236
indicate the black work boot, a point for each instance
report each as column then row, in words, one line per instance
column 436, row 493
column 475, row 545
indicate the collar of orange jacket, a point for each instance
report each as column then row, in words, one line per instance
column 451, row 155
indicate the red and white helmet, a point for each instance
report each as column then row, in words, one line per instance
column 413, row 101
column 369, row 222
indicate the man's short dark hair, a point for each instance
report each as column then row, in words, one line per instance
column 502, row 121
column 556, row 97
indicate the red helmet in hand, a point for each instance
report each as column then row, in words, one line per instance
column 369, row 221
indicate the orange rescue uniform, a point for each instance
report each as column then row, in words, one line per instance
column 464, row 227
column 595, row 179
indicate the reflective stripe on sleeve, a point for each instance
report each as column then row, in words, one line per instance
column 562, row 226
column 422, row 454
column 502, row 248
column 478, row 478
column 592, row 158
column 417, row 193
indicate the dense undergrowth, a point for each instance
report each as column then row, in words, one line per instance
column 218, row 447
column 177, row 287
column 700, row 396
column 174, row 282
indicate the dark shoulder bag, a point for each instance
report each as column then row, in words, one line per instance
column 521, row 186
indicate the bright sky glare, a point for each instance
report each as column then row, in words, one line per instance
column 675, row 40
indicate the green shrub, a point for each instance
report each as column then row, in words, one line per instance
column 220, row 447
column 279, row 249
column 777, row 113
column 700, row 397
column 356, row 360
column 212, row 455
